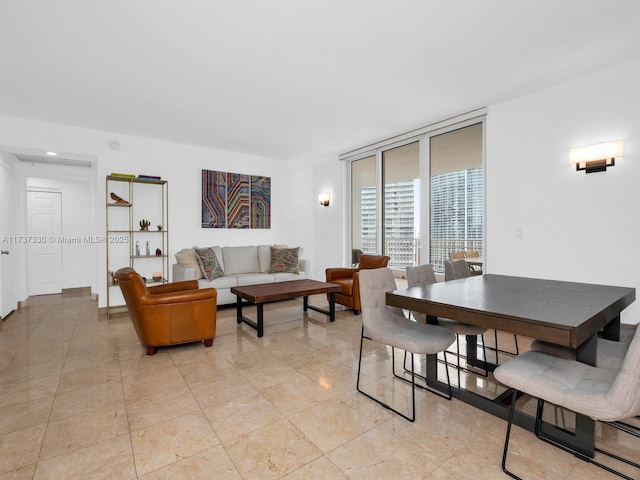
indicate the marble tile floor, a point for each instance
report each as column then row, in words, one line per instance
column 79, row 399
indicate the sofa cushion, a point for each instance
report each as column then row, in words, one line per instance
column 264, row 258
column 222, row 282
column 240, row 260
column 284, row 260
column 187, row 257
column 209, row 263
column 287, row 277
column 253, row 278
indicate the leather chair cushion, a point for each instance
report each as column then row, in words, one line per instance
column 346, row 285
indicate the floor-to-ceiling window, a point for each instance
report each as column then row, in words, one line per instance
column 364, row 230
column 419, row 196
column 401, row 205
column 456, row 194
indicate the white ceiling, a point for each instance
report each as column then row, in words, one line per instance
column 294, row 79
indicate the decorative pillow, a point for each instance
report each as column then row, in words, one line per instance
column 187, row 257
column 284, row 260
column 209, row 263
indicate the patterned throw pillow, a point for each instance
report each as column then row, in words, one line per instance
column 209, row 263
column 284, row 260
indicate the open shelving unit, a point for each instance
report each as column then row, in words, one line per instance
column 128, row 243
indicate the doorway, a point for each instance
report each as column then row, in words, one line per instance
column 44, row 245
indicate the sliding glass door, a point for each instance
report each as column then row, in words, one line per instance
column 420, row 198
column 401, row 205
column 456, row 194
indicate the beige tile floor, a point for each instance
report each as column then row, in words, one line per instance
column 79, row 399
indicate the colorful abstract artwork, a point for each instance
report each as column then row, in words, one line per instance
column 233, row 200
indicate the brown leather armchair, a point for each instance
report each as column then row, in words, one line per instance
column 169, row 314
column 347, row 278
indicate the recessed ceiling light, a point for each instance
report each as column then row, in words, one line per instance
column 53, row 154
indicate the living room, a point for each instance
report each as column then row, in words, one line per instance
column 543, row 218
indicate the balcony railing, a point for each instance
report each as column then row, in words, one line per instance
column 404, row 252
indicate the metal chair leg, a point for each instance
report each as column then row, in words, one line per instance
column 389, row 407
column 508, row 435
column 617, row 425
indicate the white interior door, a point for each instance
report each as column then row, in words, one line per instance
column 44, row 242
column 8, row 258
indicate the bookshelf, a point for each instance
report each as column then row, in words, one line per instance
column 130, row 242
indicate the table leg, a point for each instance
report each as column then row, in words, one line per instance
column 332, row 307
column 260, row 321
column 305, row 303
column 611, row 330
column 239, row 310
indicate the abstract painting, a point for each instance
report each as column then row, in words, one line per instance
column 233, row 200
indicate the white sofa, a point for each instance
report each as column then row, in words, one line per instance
column 247, row 265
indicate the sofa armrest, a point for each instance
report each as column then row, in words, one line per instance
column 305, row 266
column 181, row 273
column 174, row 287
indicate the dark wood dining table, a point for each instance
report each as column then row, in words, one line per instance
column 565, row 313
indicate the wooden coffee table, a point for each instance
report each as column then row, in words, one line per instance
column 271, row 292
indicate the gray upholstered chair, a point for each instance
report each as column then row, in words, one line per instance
column 455, row 269
column 609, row 396
column 388, row 325
column 609, row 353
column 424, row 275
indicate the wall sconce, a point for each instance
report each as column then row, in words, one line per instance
column 596, row 158
column 325, row 199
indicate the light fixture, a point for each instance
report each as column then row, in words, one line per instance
column 325, row 199
column 52, row 154
column 596, row 158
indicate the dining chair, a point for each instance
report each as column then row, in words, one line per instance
column 475, row 269
column 455, row 269
column 609, row 353
column 424, row 275
column 456, row 255
column 608, row 396
column 387, row 325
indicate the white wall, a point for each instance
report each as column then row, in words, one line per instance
column 291, row 183
column 330, row 233
column 575, row 226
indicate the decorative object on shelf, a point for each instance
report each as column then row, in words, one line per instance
column 149, row 177
column 118, row 200
column 157, row 276
column 144, row 225
column 148, row 252
column 159, row 228
column 137, row 249
column 112, row 279
column 158, row 252
column 123, row 175
column 233, row 200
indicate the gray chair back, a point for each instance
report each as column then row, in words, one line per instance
column 454, row 269
column 416, row 276
column 422, row 275
column 625, row 391
column 374, row 283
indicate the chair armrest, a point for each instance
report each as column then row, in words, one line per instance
column 182, row 296
column 335, row 273
column 174, row 287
